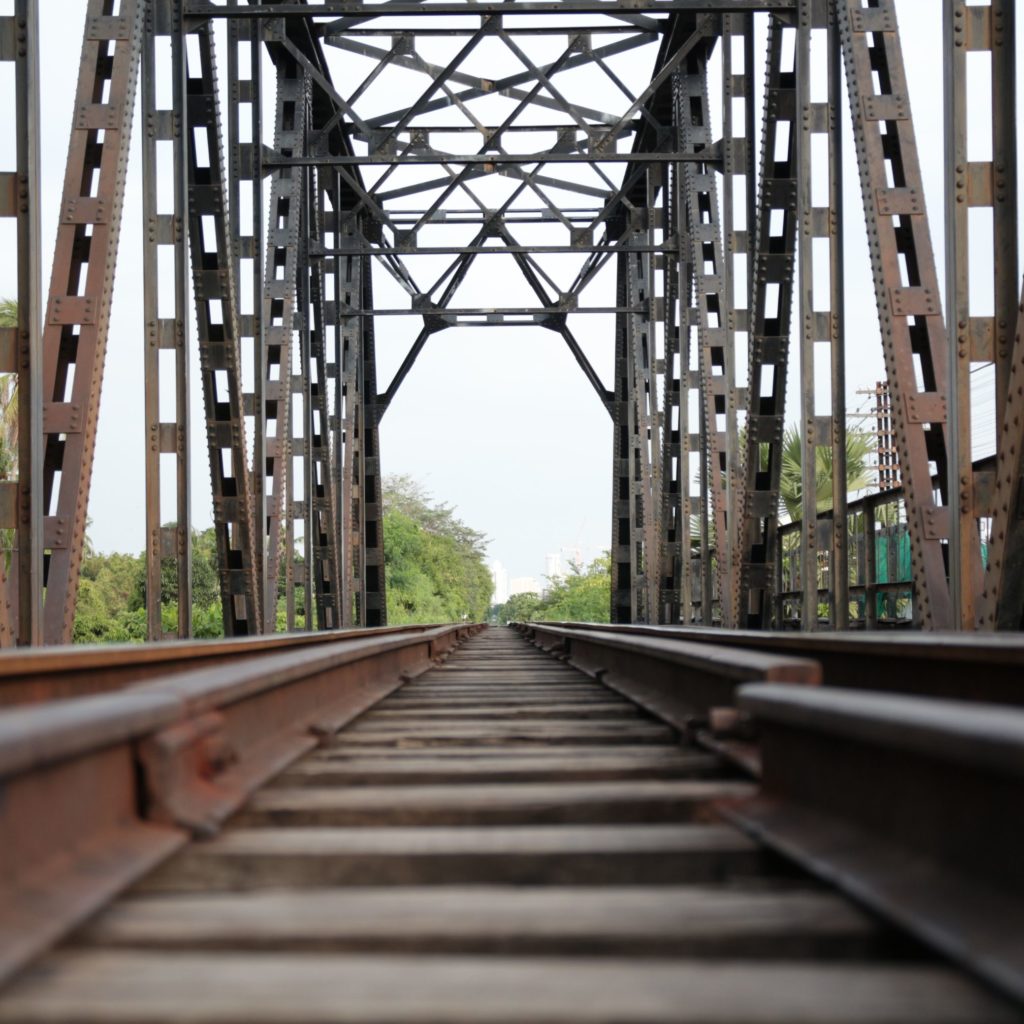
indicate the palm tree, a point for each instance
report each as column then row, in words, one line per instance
column 858, row 471
column 8, row 400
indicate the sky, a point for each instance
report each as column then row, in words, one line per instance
column 499, row 423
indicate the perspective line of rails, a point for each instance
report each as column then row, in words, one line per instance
column 554, row 822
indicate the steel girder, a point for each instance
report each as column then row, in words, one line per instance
column 21, row 354
column 167, row 323
column 820, row 264
column 220, row 365
column 772, row 284
column 82, row 281
column 914, row 338
column 321, row 482
column 982, row 186
column 715, row 326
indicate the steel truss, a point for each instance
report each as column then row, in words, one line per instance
column 722, row 237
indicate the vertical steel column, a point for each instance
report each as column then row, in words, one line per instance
column 336, row 409
column 624, row 568
column 717, row 373
column 839, row 557
column 374, row 596
column 21, row 354
column 646, row 470
column 771, row 315
column 279, row 321
column 906, row 286
column 246, row 213
column 821, row 312
column 979, row 184
column 165, row 304
column 350, row 277
column 364, row 597
column 299, row 504
column 78, row 313
column 323, row 516
column 1002, row 604
column 219, row 360
column 738, row 199
column 676, row 602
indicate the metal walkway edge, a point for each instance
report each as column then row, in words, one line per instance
column 501, row 839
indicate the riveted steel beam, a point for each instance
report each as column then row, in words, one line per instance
column 820, row 261
column 21, row 350
column 78, row 310
column 219, row 356
column 914, row 340
column 981, row 197
column 165, row 300
column 715, row 336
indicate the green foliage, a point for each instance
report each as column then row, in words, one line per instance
column 519, row 608
column 584, row 595
column 435, row 568
column 435, row 573
column 111, row 604
column 858, row 473
column 8, row 402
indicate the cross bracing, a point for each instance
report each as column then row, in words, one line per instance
column 665, row 175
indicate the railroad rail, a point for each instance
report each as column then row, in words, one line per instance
column 452, row 824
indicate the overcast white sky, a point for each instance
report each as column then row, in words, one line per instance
column 498, row 422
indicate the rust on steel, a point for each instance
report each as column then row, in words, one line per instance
column 81, row 285
column 166, row 758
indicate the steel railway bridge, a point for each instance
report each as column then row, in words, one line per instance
column 725, row 234
column 745, row 799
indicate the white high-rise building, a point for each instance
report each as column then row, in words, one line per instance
column 499, row 574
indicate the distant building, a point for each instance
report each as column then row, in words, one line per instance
column 523, row 585
column 552, row 570
column 499, row 574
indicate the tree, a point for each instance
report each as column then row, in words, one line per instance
column 111, row 606
column 519, row 608
column 858, row 472
column 584, row 595
column 8, row 402
column 435, row 563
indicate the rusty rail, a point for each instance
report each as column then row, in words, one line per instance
column 905, row 800
column 957, row 666
column 98, row 790
column 949, row 868
column 34, row 675
column 691, row 685
column 679, row 681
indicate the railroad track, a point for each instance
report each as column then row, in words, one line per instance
column 498, row 837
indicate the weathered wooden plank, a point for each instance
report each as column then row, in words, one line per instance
column 634, row 922
column 521, row 691
column 500, row 764
column 540, row 803
column 156, row 987
column 575, row 701
column 449, row 714
column 366, row 733
column 564, row 854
